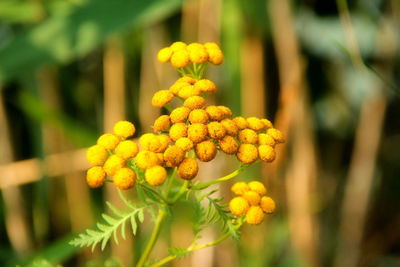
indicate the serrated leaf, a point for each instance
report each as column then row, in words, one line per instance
column 179, row 252
column 110, row 220
column 141, row 195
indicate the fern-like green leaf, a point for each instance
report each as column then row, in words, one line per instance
column 179, row 252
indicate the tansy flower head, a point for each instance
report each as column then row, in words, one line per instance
column 248, row 136
column 108, row 141
column 252, row 197
column 229, row 145
column 176, row 46
column 127, row 149
column 197, row 132
column 197, row 53
column 188, row 91
column 198, row 116
column 227, row 111
column 239, row 188
column 162, row 98
column 258, row 187
column 247, row 153
column 267, row 205
column 164, row 54
column 150, row 142
column 255, row 123
column 254, row 215
column 211, row 45
column 230, row 127
column 95, row 176
column 187, row 79
column 188, row 169
column 214, row 113
column 267, row 123
column 185, row 143
column 265, row 139
column 147, row 159
column 113, row 164
column 216, row 130
column 241, row 122
column 177, row 131
column 177, row 86
column 164, row 142
column 215, row 55
column 124, row 129
column 238, row 205
column 266, row 153
column 194, row 102
column 180, row 58
column 206, row 151
column 124, row 178
column 205, row 86
column 96, row 155
column 156, row 175
column 179, row 114
column 162, row 123
column 276, row 134
column 173, row 156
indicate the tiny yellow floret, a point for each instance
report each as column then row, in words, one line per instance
column 215, row 56
column 254, row 215
column 258, row 187
column 113, row 164
column 197, row 132
column 187, row 79
column 255, row 124
column 108, row 141
column 177, row 86
column 95, row 176
column 124, row 178
column 206, row 151
column 156, row 175
column 188, row 169
column 265, row 139
column 150, row 142
column 239, row 188
column 214, row 113
column 96, row 155
column 252, row 197
column 276, row 134
column 164, row 142
column 188, row 91
column 197, row 53
column 227, row 111
column 228, row 145
column 198, row 116
column 173, row 156
column 216, row 130
column 147, row 159
column 267, row 204
column 241, row 122
column 179, row 114
column 248, row 136
column 185, row 143
column 266, row 153
column 180, row 58
column 267, row 123
column 127, row 149
column 161, row 123
column 176, row 46
column 194, row 102
column 230, row 127
column 238, row 205
column 177, row 131
column 162, row 98
column 205, row 86
column 124, row 129
column 247, row 153
column 164, row 54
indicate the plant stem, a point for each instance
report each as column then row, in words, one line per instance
column 181, row 191
column 154, row 192
column 153, row 238
column 222, row 179
column 170, row 182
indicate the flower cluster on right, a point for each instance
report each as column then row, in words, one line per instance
column 251, row 201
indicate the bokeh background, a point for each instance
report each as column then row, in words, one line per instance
column 325, row 72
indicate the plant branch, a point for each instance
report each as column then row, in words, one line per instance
column 219, row 180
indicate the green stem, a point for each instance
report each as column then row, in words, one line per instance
column 170, row 182
column 124, row 199
column 219, row 180
column 154, row 192
column 180, row 192
column 156, row 231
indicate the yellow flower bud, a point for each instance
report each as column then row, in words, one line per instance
column 188, row 91
column 124, row 179
column 96, row 155
column 180, row 58
column 267, row 123
column 254, row 215
column 247, row 153
column 214, row 113
column 206, row 86
column 108, row 141
column 239, row 188
column 215, row 56
column 230, row 127
column 127, row 149
column 265, row 139
column 241, row 123
column 255, row 123
column 179, row 114
column 216, row 130
column 206, row 151
column 197, row 132
column 227, row 111
column 164, row 142
column 238, row 205
column 258, row 187
column 194, row 102
column 188, row 169
column 147, row 159
column 176, row 46
column 164, row 54
column 198, row 116
column 162, row 98
column 266, row 153
column 228, row 145
column 185, row 143
column 276, row 134
column 113, row 164
column 197, row 53
column 149, row 142
column 177, row 131
column 173, row 156
column 162, row 123
column 187, row 79
column 124, row 129
column 95, row 176
column 248, row 136
column 267, row 205
column 252, row 197
column 210, row 46
column 177, row 86
column 156, row 175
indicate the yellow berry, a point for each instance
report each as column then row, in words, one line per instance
column 180, row 58
column 248, row 136
column 206, row 86
column 176, row 46
column 197, row 132
column 149, row 142
column 230, row 127
column 276, row 134
column 95, row 176
column 188, row 169
column 164, row 54
column 127, row 149
column 216, row 130
column 247, row 153
column 227, row 111
column 156, row 175
column 241, row 122
column 194, row 102
column 206, row 151
column 179, row 114
column 238, row 205
column 96, row 155
column 265, row 139
column 177, row 131
column 147, row 159
column 197, row 53
column 124, row 129
column 258, row 187
column 252, row 197
column 214, row 113
column 162, row 98
column 113, row 164
column 267, row 123
column 239, row 188
column 185, row 143
column 124, row 178
column 267, row 205
column 198, row 116
column 255, row 123
column 266, row 153
column 228, row 145
column 188, row 91
column 173, row 156
column 108, row 141
column 215, row 56
column 162, row 123
column 164, row 142
column 177, row 86
column 254, row 215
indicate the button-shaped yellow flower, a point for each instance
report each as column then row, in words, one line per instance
column 206, row 151
column 176, row 46
column 162, row 98
column 124, row 178
column 215, row 56
column 252, row 197
column 265, row 139
column 164, row 54
column 230, row 127
column 194, row 102
column 173, row 156
column 198, row 116
column 248, row 136
column 113, row 164
column 255, row 123
column 150, row 142
column 197, row 132
column 227, row 111
column 177, row 86
column 258, row 187
column 108, row 141
column 266, row 153
column 124, row 129
column 197, row 53
column 188, row 169
column 178, row 130
column 238, row 205
column 164, row 142
column 268, row 205
column 156, row 175
column 206, row 86
column 276, row 134
column 216, row 130
column 247, row 153
column 267, row 123
column 239, row 188
column 185, row 143
column 228, row 145
column 254, row 215
column 241, row 122
column 96, row 155
column 147, row 159
column 188, row 91
column 180, row 58
column 95, row 176
column 127, row 149
column 179, row 114
column 214, row 113
column 162, row 123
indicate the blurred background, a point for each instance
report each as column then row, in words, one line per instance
column 325, row 72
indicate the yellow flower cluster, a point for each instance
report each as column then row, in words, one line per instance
column 251, row 201
column 180, row 54
column 110, row 155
